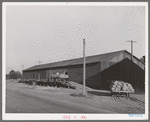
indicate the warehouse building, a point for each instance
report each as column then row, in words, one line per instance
column 100, row 70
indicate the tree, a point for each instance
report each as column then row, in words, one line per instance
column 18, row 74
column 14, row 74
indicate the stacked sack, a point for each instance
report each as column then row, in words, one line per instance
column 117, row 86
column 127, row 87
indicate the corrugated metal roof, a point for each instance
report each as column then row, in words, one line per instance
column 89, row 59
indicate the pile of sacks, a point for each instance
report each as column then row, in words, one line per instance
column 117, row 86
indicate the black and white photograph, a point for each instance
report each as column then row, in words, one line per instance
column 75, row 61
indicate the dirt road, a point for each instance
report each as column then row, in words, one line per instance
column 27, row 100
column 21, row 98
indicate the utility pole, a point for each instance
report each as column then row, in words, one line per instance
column 131, row 48
column 84, row 67
column 39, row 62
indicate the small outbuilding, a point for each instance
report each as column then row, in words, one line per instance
column 100, row 70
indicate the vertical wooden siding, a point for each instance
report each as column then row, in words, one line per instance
column 76, row 71
column 28, row 75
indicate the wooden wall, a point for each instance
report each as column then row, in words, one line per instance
column 75, row 73
column 29, row 74
column 124, row 70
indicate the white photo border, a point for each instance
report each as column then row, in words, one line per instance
column 8, row 116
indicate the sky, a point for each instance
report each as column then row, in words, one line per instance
column 55, row 33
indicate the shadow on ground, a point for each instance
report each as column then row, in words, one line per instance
column 99, row 93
